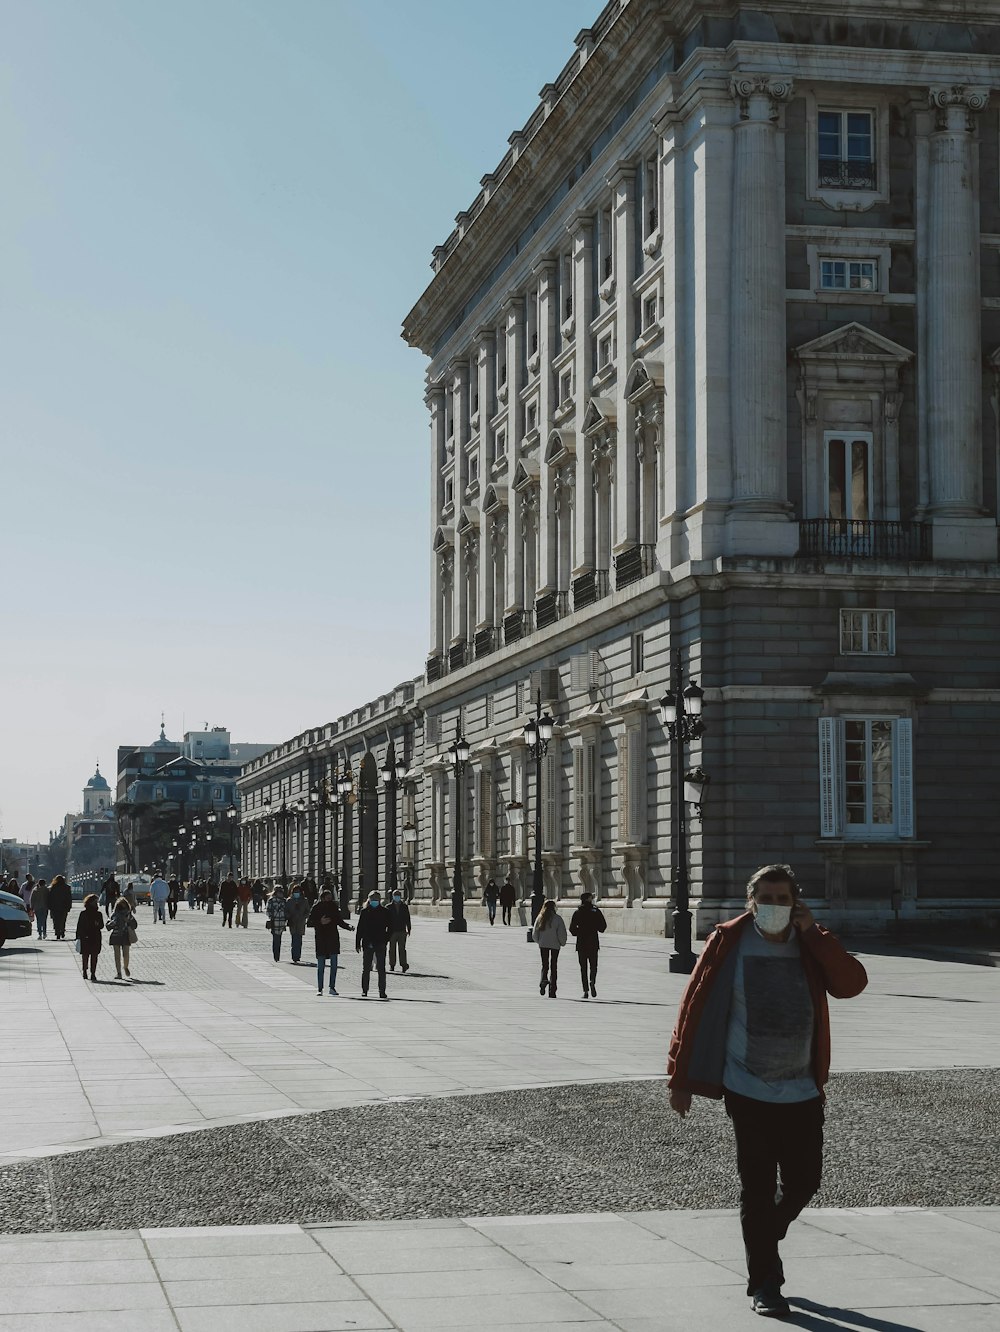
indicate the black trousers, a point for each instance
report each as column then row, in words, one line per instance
column 172, row 907
column 505, row 914
column 776, row 1144
column 588, row 961
column 372, row 953
column 550, row 968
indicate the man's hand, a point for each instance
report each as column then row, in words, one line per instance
column 680, row 1101
column 802, row 917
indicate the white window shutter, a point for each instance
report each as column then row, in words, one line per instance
column 550, row 802
column 579, row 757
column 624, row 786
column 829, row 776
column 904, row 776
column 590, row 789
column 449, row 848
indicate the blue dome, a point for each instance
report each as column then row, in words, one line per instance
column 97, row 783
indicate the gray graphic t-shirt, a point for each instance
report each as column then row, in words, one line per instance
column 769, row 1040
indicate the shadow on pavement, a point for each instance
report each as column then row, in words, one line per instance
column 12, row 950
column 820, row 1316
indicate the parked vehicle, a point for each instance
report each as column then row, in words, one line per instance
column 15, row 923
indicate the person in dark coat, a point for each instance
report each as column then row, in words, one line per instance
column 60, row 901
column 490, row 899
column 326, row 920
column 90, row 932
column 173, row 898
column 399, row 930
column 372, row 938
column 109, row 893
column 508, row 899
column 257, row 894
column 228, row 893
column 588, row 924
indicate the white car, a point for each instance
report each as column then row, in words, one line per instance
column 15, row 923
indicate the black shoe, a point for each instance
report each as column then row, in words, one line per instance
column 364, row 994
column 769, row 1302
column 593, row 991
column 541, row 988
column 383, row 996
column 406, row 966
column 586, row 994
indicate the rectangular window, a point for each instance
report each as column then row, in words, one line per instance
column 216, row 792
column 519, row 697
column 868, row 633
column 650, row 311
column 848, row 476
column 638, row 652
column 531, row 421
column 866, row 777
column 489, row 709
column 652, row 194
column 474, row 467
column 607, row 245
column 195, row 792
column 848, row 274
column 159, row 793
column 499, row 445
column 449, row 491
column 604, row 352
column 566, row 386
column 846, row 150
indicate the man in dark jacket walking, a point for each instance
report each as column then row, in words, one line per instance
column 372, row 938
column 228, row 893
column 588, row 924
column 399, row 930
column 109, row 893
column 508, row 897
column 60, row 901
column 753, row 1028
column 326, row 920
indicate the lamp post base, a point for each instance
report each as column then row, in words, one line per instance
column 681, row 963
column 458, row 926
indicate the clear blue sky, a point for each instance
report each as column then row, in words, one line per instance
column 213, row 445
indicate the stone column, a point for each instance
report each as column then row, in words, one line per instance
column 460, row 415
column 513, row 310
column 954, row 353
column 581, row 228
column 548, row 311
column 622, row 182
column 758, row 518
column 485, row 352
column 434, row 398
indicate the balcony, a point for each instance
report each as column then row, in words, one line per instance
column 858, row 539
column 837, row 175
column 550, row 607
column 589, row 587
column 485, row 642
column 633, row 564
column 456, row 655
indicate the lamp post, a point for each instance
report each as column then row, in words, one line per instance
column 392, row 778
column 232, row 818
column 345, row 789
column 459, row 752
column 680, row 713
column 321, row 799
column 195, row 833
column 537, row 734
column 211, row 818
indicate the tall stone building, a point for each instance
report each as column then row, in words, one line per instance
column 714, row 377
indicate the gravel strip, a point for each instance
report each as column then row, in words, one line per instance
column 893, row 1140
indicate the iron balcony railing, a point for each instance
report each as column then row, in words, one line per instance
column 839, row 175
column 456, row 656
column 514, row 627
column 633, row 564
column 549, row 608
column 589, row 587
column 486, row 641
column 865, row 539
column 435, row 668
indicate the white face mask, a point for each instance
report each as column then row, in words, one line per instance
column 772, row 919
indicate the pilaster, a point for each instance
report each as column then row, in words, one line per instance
column 434, row 398
column 581, row 229
column 622, row 182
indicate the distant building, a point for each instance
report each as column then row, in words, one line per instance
column 22, row 858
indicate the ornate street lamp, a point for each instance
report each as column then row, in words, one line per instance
column 680, row 713
column 345, row 790
column 537, row 734
column 459, row 753
column 232, row 818
column 392, row 780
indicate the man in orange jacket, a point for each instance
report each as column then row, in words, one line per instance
column 753, row 1028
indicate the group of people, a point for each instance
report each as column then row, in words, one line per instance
column 45, row 901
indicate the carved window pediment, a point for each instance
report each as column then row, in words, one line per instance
column 444, row 538
column 525, row 474
column 644, row 379
column 561, row 445
column 854, row 342
column 600, row 415
column 495, row 499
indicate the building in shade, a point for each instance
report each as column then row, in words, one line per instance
column 714, row 365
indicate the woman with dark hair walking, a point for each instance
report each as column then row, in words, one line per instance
column 549, row 932
column 326, row 920
column 90, row 934
column 122, row 934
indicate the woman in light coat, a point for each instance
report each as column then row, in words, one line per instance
column 121, row 933
column 549, row 932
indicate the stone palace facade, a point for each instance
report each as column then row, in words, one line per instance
column 714, row 384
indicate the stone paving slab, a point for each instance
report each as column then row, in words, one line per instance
column 886, row 1270
column 225, row 1034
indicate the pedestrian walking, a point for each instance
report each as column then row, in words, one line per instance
column 243, row 895
column 257, row 895
column 89, row 934
column 201, row 894
column 276, row 908
column 173, row 898
column 39, row 903
column 399, row 930
column 228, row 895
column 491, row 897
column 549, row 932
column 128, row 892
column 122, row 928
column 26, row 889
column 326, row 920
column 508, row 898
column 753, row 1028
column 587, row 924
column 159, row 891
column 371, row 940
column 297, row 914
column 211, row 894
column 110, row 893
column 60, row 902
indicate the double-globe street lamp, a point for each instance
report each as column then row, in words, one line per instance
column 322, row 799
column 537, row 734
column 345, row 791
column 680, row 713
column 392, row 779
column 459, row 753
column 283, row 816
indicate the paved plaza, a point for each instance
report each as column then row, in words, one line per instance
column 469, row 1154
